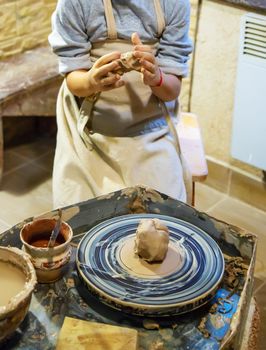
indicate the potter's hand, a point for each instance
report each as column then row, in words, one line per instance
column 149, row 66
column 101, row 77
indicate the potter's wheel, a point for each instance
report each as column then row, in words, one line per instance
column 186, row 279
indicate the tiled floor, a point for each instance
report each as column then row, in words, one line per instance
column 26, row 191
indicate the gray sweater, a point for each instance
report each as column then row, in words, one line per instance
column 77, row 24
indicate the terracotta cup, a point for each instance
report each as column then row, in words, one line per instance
column 50, row 263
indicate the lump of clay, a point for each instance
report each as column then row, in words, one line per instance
column 127, row 62
column 152, row 238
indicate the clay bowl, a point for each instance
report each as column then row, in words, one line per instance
column 50, row 263
column 17, row 281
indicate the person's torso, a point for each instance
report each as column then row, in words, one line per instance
column 130, row 16
column 118, row 112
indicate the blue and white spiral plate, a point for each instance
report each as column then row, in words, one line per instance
column 187, row 278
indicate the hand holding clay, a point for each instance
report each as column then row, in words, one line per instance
column 149, row 66
column 152, row 238
column 126, row 63
column 101, row 76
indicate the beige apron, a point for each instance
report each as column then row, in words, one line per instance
column 94, row 154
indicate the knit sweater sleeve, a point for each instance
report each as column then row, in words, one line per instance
column 69, row 39
column 175, row 45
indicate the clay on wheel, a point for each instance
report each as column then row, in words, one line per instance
column 152, row 238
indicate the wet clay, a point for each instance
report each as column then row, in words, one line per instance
column 235, row 270
column 152, row 238
column 12, row 282
column 127, row 62
column 41, row 240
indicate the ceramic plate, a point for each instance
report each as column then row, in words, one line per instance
column 187, row 278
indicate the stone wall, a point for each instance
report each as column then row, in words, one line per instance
column 24, row 24
column 214, row 76
column 212, row 99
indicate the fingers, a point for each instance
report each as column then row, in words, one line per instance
column 107, row 68
column 102, row 76
column 143, row 48
column 114, row 86
column 107, row 59
column 148, row 66
column 135, row 39
column 148, row 75
column 110, row 80
column 144, row 56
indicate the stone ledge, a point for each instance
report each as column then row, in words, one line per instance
column 257, row 5
column 27, row 71
column 37, row 102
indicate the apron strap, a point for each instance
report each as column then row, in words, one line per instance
column 84, row 117
column 110, row 20
column 160, row 16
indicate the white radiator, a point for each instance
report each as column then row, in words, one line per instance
column 249, row 118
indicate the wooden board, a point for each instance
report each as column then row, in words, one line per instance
column 192, row 145
column 84, row 335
